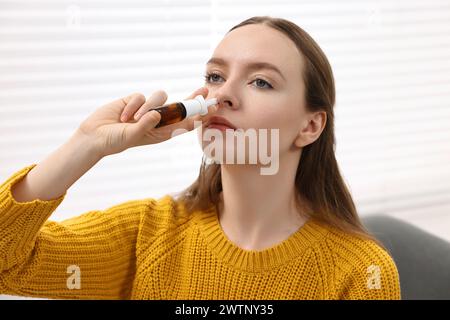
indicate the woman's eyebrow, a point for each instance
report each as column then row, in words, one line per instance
column 248, row 65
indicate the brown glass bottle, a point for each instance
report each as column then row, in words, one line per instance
column 171, row 113
column 177, row 111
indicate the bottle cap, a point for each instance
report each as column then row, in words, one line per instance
column 198, row 105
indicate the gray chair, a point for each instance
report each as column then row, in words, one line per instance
column 422, row 259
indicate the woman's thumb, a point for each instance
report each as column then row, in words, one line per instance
column 145, row 123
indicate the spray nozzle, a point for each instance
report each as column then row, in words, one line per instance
column 198, row 105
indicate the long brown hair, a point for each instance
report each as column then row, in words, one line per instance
column 318, row 180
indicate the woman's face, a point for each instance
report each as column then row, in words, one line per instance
column 256, row 96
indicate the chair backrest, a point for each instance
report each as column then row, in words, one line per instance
column 422, row 259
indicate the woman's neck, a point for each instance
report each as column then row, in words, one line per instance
column 258, row 211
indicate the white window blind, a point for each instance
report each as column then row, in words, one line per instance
column 60, row 60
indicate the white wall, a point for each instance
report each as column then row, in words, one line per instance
column 60, row 60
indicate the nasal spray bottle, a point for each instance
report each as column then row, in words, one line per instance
column 177, row 111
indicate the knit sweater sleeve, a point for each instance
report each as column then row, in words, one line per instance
column 91, row 256
column 366, row 272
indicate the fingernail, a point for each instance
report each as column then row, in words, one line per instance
column 136, row 116
column 123, row 118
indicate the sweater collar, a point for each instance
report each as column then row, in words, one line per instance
column 267, row 259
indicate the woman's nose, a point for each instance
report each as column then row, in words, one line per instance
column 226, row 98
column 224, row 102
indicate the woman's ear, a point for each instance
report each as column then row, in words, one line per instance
column 311, row 129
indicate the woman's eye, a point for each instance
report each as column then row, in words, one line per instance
column 260, row 83
column 263, row 82
column 212, row 77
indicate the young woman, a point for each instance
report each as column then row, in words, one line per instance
column 234, row 233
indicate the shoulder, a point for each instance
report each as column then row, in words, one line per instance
column 355, row 250
column 164, row 213
column 361, row 268
column 153, row 214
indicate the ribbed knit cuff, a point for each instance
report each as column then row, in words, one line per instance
column 20, row 222
column 9, row 207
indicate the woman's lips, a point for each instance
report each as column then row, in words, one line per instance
column 219, row 126
column 219, row 122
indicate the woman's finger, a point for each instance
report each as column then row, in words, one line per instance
column 157, row 99
column 200, row 91
column 132, row 103
column 139, row 129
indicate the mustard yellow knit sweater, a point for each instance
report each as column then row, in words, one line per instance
column 153, row 249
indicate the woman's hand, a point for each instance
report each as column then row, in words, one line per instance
column 111, row 131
